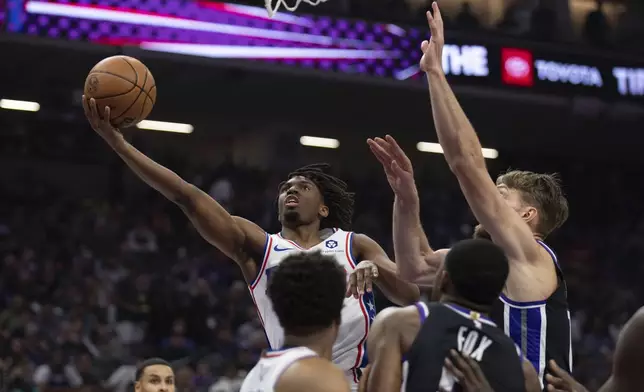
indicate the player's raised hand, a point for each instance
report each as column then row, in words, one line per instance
column 467, row 372
column 362, row 279
column 99, row 120
column 560, row 381
column 397, row 166
column 433, row 49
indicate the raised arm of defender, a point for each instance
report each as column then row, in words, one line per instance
column 236, row 237
column 463, row 153
column 416, row 261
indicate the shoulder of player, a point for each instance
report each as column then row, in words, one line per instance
column 250, row 253
column 395, row 319
column 313, row 374
column 633, row 331
column 637, row 321
column 365, row 247
column 255, row 237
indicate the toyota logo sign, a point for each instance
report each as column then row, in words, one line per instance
column 517, row 67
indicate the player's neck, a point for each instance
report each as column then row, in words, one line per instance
column 316, row 342
column 446, row 298
column 305, row 236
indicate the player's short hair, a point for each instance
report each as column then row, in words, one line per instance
column 140, row 369
column 307, row 291
column 478, row 270
column 543, row 191
column 334, row 192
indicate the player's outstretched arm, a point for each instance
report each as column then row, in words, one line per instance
column 416, row 261
column 391, row 334
column 312, row 374
column 234, row 236
column 463, row 153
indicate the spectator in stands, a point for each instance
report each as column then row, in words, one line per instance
column 58, row 373
column 87, row 371
column 203, row 377
column 466, row 19
column 230, row 381
column 596, row 28
column 543, row 23
column 177, row 345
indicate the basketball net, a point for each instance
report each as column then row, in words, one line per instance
column 272, row 10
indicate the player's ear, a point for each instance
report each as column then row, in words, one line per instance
column 137, row 386
column 323, row 211
column 529, row 213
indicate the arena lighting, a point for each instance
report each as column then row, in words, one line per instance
column 436, row 148
column 322, row 142
column 25, row 106
column 164, row 126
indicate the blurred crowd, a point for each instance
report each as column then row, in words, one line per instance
column 89, row 287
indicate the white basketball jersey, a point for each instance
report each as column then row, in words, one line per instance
column 357, row 314
column 264, row 376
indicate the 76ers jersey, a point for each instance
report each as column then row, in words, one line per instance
column 357, row 314
column 264, row 376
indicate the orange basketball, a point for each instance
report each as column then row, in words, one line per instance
column 124, row 84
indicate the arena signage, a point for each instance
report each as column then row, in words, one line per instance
column 630, row 81
column 468, row 60
column 220, row 30
column 575, row 74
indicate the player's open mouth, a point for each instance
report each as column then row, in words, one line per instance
column 291, row 201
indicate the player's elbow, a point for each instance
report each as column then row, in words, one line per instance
column 420, row 272
column 187, row 196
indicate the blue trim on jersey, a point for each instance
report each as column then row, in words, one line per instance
column 350, row 239
column 525, row 330
column 550, row 251
column 268, row 237
column 521, row 304
column 468, row 312
column 421, row 312
column 371, row 312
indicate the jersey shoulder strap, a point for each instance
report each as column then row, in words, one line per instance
column 288, row 358
column 423, row 311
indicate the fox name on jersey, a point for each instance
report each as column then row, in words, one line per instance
column 357, row 314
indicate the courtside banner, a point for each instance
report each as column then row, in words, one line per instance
column 220, row 30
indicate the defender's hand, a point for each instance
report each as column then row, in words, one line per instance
column 467, row 372
column 397, row 166
column 100, row 121
column 362, row 278
column 560, row 381
column 432, row 59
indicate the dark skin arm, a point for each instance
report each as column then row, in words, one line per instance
column 238, row 238
column 387, row 278
column 472, row 379
column 391, row 335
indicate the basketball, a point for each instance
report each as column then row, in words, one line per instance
column 124, row 84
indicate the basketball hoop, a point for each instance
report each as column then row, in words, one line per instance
column 279, row 3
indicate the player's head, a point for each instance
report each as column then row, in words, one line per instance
column 154, row 375
column 474, row 271
column 536, row 197
column 307, row 291
column 311, row 194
